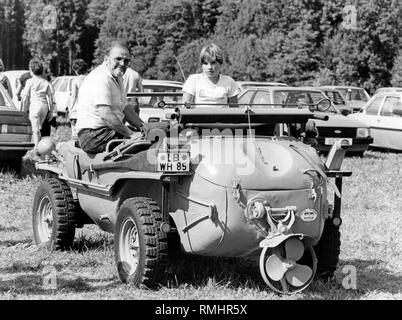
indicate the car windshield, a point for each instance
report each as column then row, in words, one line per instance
column 354, row 94
column 151, row 101
column 5, row 101
column 301, row 97
column 336, row 97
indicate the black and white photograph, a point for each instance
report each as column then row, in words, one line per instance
column 204, row 158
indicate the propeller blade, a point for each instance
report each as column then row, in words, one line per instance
column 275, row 268
column 294, row 249
column 299, row 275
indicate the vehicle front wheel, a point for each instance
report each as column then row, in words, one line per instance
column 54, row 215
column 140, row 245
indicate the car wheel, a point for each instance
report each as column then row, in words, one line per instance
column 327, row 250
column 140, row 245
column 54, row 215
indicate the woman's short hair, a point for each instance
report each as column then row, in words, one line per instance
column 211, row 52
column 79, row 66
column 36, row 67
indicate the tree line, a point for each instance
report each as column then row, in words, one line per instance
column 299, row 42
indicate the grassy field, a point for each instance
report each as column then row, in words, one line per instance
column 371, row 243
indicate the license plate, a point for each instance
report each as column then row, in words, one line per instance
column 173, row 162
column 331, row 141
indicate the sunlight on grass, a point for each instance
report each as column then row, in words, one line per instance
column 371, row 242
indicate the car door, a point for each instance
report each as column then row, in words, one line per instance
column 370, row 116
column 389, row 125
column 62, row 93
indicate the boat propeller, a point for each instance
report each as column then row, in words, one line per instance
column 282, row 272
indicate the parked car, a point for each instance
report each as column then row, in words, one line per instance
column 338, row 127
column 355, row 97
column 337, row 99
column 247, row 84
column 15, row 133
column 62, row 92
column 383, row 114
column 148, row 106
column 13, row 75
column 388, row 89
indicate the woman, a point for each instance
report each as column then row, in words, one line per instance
column 210, row 86
column 80, row 69
column 37, row 97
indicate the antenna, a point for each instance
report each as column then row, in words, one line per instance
column 181, row 70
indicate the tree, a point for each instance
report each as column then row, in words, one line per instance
column 59, row 46
column 159, row 31
column 364, row 55
column 396, row 71
column 12, row 51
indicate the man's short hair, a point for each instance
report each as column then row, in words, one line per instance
column 211, row 52
column 117, row 44
column 36, row 67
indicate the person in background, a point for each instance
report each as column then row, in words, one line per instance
column 102, row 103
column 21, row 81
column 210, row 86
column 80, row 69
column 37, row 100
column 4, row 80
column 132, row 82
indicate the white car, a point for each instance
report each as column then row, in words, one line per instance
column 149, row 110
column 62, row 92
column 248, row 84
column 13, row 75
column 383, row 114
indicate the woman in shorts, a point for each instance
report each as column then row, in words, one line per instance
column 37, row 100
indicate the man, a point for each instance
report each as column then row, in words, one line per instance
column 102, row 104
column 132, row 82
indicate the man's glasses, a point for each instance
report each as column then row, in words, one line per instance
column 121, row 59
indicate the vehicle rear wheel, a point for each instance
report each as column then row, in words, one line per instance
column 54, row 215
column 140, row 245
column 327, row 250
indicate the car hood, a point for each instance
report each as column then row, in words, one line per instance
column 337, row 120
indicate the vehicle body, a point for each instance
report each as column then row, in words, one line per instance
column 267, row 198
column 247, row 84
column 383, row 115
column 355, row 97
column 13, row 75
column 388, row 89
column 337, row 99
column 15, row 133
column 338, row 126
column 63, row 90
column 148, row 105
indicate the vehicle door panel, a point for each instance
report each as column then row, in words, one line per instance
column 389, row 125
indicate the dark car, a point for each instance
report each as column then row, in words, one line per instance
column 15, row 133
column 338, row 127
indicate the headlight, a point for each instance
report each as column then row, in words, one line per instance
column 363, row 132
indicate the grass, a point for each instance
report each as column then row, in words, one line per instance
column 371, row 243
